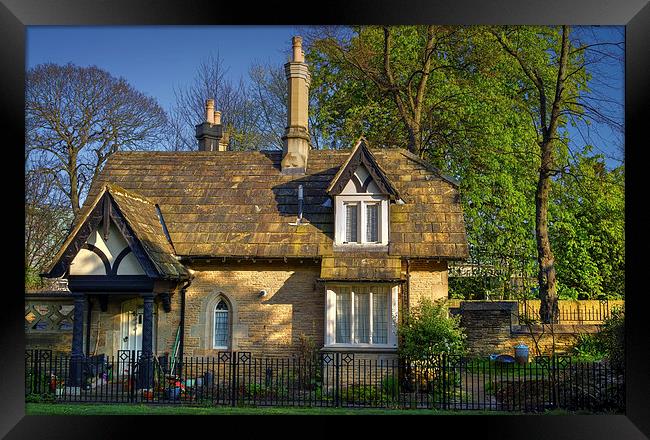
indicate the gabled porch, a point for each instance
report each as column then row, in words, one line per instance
column 119, row 254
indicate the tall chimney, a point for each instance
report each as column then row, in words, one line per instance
column 210, row 133
column 296, row 136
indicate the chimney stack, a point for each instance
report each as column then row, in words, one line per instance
column 209, row 111
column 296, row 136
column 210, row 133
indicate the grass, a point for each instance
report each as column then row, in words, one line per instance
column 49, row 409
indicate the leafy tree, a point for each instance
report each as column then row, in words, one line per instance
column 394, row 84
column 428, row 330
column 588, row 230
column 545, row 77
column 554, row 86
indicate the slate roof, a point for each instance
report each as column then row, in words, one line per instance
column 142, row 216
column 224, row 204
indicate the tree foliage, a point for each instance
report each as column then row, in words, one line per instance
column 588, row 230
column 494, row 112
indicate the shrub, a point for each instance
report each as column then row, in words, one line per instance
column 40, row 398
column 311, row 374
column 588, row 348
column 428, row 330
column 390, row 385
column 612, row 338
column 608, row 343
column 363, row 395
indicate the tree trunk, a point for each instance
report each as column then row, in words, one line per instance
column 414, row 141
column 74, row 184
column 548, row 310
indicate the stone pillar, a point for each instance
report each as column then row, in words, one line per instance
column 77, row 354
column 146, row 359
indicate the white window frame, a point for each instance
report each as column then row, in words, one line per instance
column 214, row 325
column 330, row 318
column 362, row 201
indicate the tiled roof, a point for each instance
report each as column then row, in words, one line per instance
column 223, row 204
column 142, row 217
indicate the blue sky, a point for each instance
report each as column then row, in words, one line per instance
column 154, row 59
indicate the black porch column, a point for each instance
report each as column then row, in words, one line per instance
column 146, row 361
column 77, row 354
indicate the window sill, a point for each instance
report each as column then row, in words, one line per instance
column 360, row 247
column 368, row 348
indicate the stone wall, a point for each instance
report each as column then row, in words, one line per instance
column 271, row 325
column 428, row 279
column 268, row 325
column 492, row 327
column 487, row 325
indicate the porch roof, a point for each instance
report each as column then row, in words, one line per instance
column 142, row 227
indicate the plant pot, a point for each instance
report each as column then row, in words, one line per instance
column 174, row 393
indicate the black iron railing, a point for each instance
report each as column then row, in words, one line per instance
column 330, row 380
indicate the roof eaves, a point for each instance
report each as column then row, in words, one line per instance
column 430, row 167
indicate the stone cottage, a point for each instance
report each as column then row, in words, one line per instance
column 193, row 253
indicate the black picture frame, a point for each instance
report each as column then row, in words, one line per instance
column 635, row 15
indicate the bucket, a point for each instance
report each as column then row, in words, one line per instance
column 521, row 353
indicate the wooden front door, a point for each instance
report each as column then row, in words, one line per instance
column 132, row 318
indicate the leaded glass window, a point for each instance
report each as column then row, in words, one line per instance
column 221, row 325
column 372, row 223
column 380, row 316
column 343, row 316
column 351, row 222
column 361, row 318
column 363, row 314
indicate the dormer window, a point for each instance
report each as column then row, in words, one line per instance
column 361, row 192
column 361, row 217
column 363, row 221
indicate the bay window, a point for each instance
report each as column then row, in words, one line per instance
column 362, row 315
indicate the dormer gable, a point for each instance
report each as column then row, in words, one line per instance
column 362, row 193
column 361, row 182
column 361, row 169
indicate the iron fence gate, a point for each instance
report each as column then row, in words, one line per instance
column 333, row 379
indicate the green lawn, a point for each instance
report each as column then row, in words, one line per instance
column 118, row 409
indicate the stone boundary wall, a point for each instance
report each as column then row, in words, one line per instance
column 492, row 327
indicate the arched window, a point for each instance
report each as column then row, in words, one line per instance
column 221, row 324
